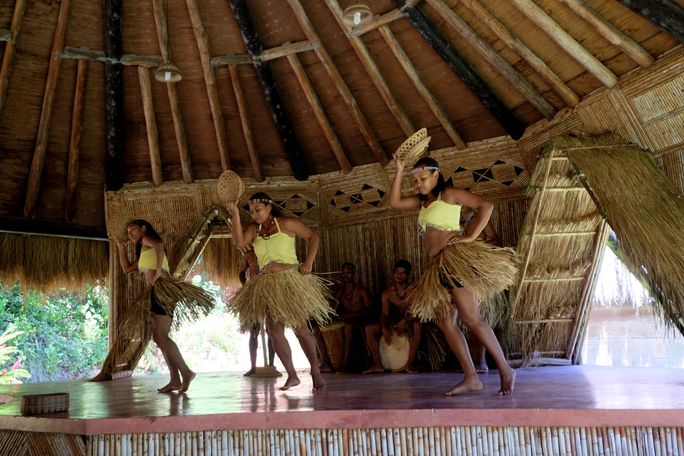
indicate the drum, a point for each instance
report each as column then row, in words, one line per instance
column 395, row 355
column 333, row 335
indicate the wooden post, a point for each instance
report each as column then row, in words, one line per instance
column 246, row 125
column 464, row 71
column 319, row 112
column 75, row 139
column 271, row 94
column 8, row 56
column 494, row 59
column 665, row 14
column 38, row 160
column 113, row 76
column 150, row 124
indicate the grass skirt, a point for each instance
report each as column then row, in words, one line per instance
column 287, row 296
column 480, row 267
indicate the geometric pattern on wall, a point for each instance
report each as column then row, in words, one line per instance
column 498, row 175
column 363, row 198
column 294, row 204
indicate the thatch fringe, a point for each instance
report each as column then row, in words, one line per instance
column 646, row 211
column 222, row 262
column 48, row 262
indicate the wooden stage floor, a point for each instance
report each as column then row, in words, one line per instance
column 549, row 396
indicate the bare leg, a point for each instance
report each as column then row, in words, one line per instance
column 173, row 357
column 457, row 343
column 413, row 349
column 324, row 363
column 478, row 353
column 308, row 343
column 282, row 349
column 373, row 335
column 253, row 346
column 470, row 316
column 271, row 351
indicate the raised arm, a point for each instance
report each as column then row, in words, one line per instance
column 395, row 199
column 126, row 265
column 241, row 238
column 295, row 227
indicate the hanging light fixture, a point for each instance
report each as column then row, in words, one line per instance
column 167, row 72
column 354, row 15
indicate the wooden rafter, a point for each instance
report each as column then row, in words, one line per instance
column 374, row 72
column 287, row 49
column 150, row 124
column 148, row 61
column 376, row 22
column 424, row 91
column 319, row 112
column 610, row 32
column 113, row 93
column 464, row 71
column 257, row 172
column 495, row 60
column 341, row 86
column 38, row 160
column 160, row 20
column 210, row 81
column 75, row 139
column 665, row 14
column 8, row 56
column 523, row 51
column 567, row 42
column 271, row 94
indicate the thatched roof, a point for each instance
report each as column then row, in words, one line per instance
column 80, row 110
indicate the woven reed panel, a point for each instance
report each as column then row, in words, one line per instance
column 673, row 166
column 295, row 198
column 17, row 443
column 537, row 135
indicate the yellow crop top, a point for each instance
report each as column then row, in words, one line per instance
column 148, row 260
column 440, row 215
column 277, row 248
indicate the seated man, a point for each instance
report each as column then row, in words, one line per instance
column 394, row 318
column 354, row 307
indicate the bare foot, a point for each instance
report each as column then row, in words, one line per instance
column 171, row 386
column 250, row 372
column 187, row 378
column 466, row 386
column 290, row 382
column 409, row 370
column 374, row 370
column 482, row 368
column 318, row 382
column 507, row 382
column 326, row 368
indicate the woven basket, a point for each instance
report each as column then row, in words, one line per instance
column 414, row 146
column 229, row 186
column 37, row 404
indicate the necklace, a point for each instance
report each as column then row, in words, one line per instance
column 400, row 295
column 266, row 234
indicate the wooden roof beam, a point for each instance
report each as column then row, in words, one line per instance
column 376, row 22
column 209, row 81
column 319, row 112
column 610, row 32
column 495, row 60
column 286, row 49
column 10, row 36
column 341, row 86
column 667, row 15
column 427, row 95
column 565, row 92
column 257, row 172
column 113, row 80
column 150, row 124
column 38, row 160
column 75, row 139
column 271, row 94
column 464, row 71
column 160, row 20
column 567, row 42
column 374, row 72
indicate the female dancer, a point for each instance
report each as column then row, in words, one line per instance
column 162, row 295
column 460, row 269
column 284, row 293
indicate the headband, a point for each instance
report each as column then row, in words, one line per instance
column 429, row 168
column 261, row 200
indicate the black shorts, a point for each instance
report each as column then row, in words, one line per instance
column 447, row 283
column 155, row 307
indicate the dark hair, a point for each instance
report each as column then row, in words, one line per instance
column 428, row 162
column 349, row 265
column 264, row 198
column 149, row 231
column 404, row 264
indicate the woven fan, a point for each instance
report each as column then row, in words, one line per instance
column 414, row 146
column 230, row 186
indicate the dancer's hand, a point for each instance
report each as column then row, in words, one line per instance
column 459, row 238
column 399, row 163
column 305, row 269
column 232, row 207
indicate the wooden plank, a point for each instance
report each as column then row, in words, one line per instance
column 610, row 32
column 24, row 226
column 8, row 56
column 230, row 59
column 257, row 172
column 464, row 71
column 565, row 92
column 665, row 14
column 495, row 60
column 38, row 160
column 374, row 72
column 150, row 124
column 148, row 61
column 270, row 89
column 417, row 81
column 287, row 49
column 339, row 83
column 376, row 22
column 319, row 112
column 209, row 81
column 113, row 93
column 75, row 139
column 567, row 42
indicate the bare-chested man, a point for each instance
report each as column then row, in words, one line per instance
column 355, row 308
column 394, row 318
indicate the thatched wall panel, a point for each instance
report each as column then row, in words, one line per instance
column 547, row 300
column 673, row 166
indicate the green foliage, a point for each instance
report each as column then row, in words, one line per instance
column 14, row 373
